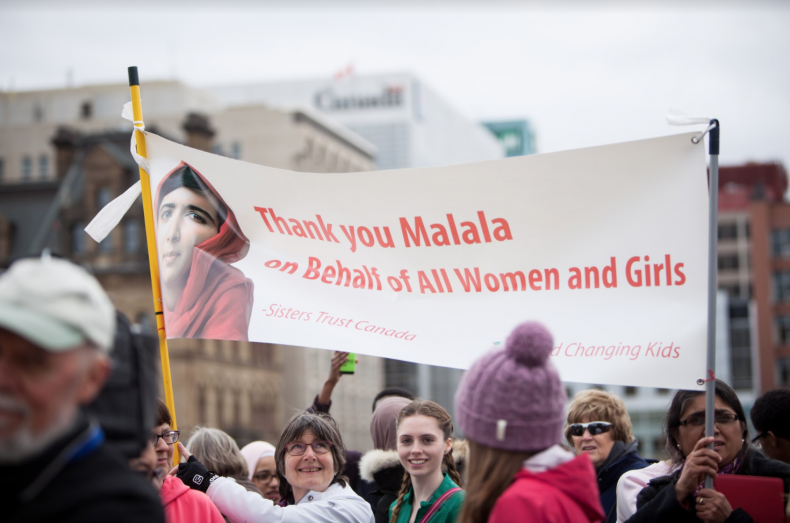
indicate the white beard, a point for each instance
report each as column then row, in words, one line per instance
column 22, row 445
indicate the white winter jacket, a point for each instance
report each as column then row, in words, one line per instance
column 335, row 504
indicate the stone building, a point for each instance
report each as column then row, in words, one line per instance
column 247, row 389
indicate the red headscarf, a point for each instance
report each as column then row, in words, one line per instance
column 217, row 300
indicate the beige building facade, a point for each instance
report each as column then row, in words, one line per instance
column 247, row 389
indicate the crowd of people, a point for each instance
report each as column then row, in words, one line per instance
column 525, row 457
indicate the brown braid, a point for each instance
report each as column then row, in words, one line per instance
column 404, row 489
column 449, row 464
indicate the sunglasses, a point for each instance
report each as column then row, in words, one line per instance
column 594, row 427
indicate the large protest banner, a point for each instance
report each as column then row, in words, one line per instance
column 606, row 246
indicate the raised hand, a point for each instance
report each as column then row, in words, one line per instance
column 701, row 462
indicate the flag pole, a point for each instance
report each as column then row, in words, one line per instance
column 713, row 237
column 145, row 181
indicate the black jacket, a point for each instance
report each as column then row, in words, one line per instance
column 622, row 458
column 77, row 479
column 383, row 468
column 657, row 501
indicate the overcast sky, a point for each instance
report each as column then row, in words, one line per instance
column 583, row 76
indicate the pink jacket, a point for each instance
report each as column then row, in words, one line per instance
column 184, row 505
column 567, row 493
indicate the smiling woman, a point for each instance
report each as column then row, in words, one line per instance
column 309, row 458
column 197, row 237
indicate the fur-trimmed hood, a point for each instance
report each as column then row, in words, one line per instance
column 376, row 461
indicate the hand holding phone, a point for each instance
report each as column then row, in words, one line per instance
column 350, row 365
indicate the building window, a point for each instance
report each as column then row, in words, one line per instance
column 86, row 110
column 103, row 197
column 663, row 392
column 131, row 236
column 43, row 166
column 733, row 291
column 235, row 150
column 216, row 149
column 78, row 238
column 38, row 113
column 782, row 286
column 783, row 329
column 780, row 243
column 783, row 372
column 2, row 169
column 728, row 231
column 728, row 262
column 630, row 391
column 740, row 345
column 27, row 168
column 105, row 245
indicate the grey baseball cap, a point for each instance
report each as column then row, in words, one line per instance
column 55, row 305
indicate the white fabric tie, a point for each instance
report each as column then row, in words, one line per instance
column 112, row 213
column 675, row 117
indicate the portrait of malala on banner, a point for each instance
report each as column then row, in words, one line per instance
column 607, row 246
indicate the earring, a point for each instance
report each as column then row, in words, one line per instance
column 678, row 446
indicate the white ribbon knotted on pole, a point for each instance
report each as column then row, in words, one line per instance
column 112, row 213
column 675, row 117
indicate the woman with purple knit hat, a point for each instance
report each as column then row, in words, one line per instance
column 510, row 404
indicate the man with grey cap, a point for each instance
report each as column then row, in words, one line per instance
column 56, row 332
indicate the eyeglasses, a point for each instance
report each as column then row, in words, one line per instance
column 756, row 439
column 595, row 428
column 168, row 437
column 265, row 476
column 698, row 420
column 319, row 447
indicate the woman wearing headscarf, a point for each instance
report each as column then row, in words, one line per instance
column 382, row 465
column 198, row 236
column 262, row 469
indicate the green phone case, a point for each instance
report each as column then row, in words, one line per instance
column 350, row 365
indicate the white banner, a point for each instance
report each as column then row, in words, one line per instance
column 606, row 246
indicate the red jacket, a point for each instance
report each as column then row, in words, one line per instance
column 565, row 494
column 184, row 505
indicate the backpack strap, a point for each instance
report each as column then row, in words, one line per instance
column 438, row 504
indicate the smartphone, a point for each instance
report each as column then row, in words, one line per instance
column 350, row 364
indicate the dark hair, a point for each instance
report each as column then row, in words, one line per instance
column 771, row 412
column 392, row 391
column 186, row 177
column 324, row 428
column 678, row 406
column 162, row 413
column 445, row 422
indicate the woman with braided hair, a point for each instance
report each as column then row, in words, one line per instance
column 430, row 490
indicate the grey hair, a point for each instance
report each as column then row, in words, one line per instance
column 218, row 452
column 324, row 428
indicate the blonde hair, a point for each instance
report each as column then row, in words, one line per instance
column 442, row 417
column 597, row 405
column 218, row 452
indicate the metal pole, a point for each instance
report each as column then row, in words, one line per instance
column 713, row 240
column 150, row 236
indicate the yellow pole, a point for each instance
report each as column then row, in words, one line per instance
column 134, row 85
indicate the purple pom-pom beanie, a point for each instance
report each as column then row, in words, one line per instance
column 512, row 398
